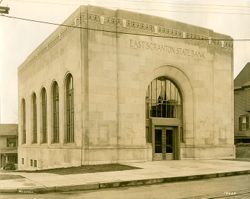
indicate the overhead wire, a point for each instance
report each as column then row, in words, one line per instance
column 139, row 1
column 230, row 7
column 44, row 2
column 186, row 4
column 120, row 32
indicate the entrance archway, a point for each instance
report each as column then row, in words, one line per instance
column 164, row 118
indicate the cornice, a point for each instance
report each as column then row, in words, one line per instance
column 124, row 25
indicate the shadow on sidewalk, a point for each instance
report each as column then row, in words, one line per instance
column 9, row 176
column 85, row 169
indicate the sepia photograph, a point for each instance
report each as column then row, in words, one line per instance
column 124, row 99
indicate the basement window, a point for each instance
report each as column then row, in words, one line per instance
column 35, row 163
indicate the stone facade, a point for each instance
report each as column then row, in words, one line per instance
column 113, row 55
column 242, row 105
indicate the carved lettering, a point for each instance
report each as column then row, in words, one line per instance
column 140, row 44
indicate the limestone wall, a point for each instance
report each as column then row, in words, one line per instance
column 113, row 56
column 51, row 61
column 202, row 69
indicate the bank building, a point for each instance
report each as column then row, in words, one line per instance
column 113, row 86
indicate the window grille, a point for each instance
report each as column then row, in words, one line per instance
column 34, row 125
column 44, row 115
column 69, row 90
column 163, row 99
column 55, row 105
column 23, row 122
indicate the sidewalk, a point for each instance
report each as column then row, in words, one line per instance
column 150, row 173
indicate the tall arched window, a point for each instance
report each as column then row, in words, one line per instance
column 44, row 115
column 69, row 91
column 55, row 109
column 34, row 115
column 23, row 110
column 163, row 99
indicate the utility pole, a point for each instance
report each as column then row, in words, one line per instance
column 0, row 109
column 4, row 9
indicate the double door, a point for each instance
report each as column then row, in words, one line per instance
column 164, row 139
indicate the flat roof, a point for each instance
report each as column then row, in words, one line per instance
column 8, row 129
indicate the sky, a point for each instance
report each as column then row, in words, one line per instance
column 19, row 38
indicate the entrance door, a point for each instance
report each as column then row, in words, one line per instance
column 163, row 143
column 169, row 144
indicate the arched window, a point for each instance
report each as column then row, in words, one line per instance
column 163, row 99
column 69, row 91
column 34, row 115
column 44, row 115
column 23, row 110
column 55, row 110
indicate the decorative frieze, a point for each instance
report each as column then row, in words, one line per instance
column 130, row 25
column 83, row 17
column 143, row 27
column 102, row 20
column 94, row 18
column 110, row 21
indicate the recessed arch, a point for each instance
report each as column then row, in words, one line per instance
column 181, row 81
column 173, row 73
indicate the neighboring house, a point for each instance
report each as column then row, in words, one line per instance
column 8, row 143
column 242, row 105
column 115, row 86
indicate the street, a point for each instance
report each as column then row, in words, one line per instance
column 235, row 187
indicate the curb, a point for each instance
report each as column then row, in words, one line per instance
column 129, row 183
